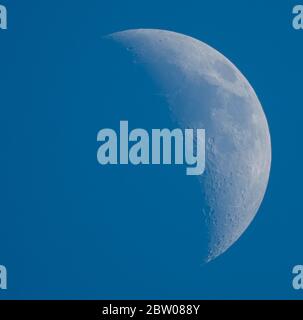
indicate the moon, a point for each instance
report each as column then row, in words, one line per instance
column 203, row 89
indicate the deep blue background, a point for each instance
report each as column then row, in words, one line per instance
column 71, row 229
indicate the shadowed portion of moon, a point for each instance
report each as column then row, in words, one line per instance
column 203, row 89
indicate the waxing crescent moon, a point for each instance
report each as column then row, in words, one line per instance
column 203, row 89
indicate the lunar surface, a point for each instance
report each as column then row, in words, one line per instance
column 203, row 89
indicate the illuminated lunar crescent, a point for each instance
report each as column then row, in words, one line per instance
column 203, row 89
